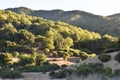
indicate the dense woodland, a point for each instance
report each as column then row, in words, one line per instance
column 101, row 24
column 22, row 33
column 33, row 39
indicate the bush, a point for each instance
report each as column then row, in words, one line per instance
column 111, row 50
column 117, row 72
column 61, row 74
column 83, row 55
column 52, row 73
column 84, row 69
column 40, row 59
column 107, row 71
column 12, row 74
column 87, row 51
column 15, row 54
column 42, row 68
column 104, row 57
column 98, row 67
column 26, row 60
column 46, row 50
column 117, row 57
column 75, row 52
column 6, row 59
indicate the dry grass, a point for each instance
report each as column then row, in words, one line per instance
column 60, row 61
column 112, row 63
column 93, row 77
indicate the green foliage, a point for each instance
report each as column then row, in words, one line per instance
column 83, row 55
column 40, row 59
column 5, row 59
column 104, row 57
column 84, row 69
column 11, row 74
column 75, row 52
column 117, row 57
column 42, row 68
column 48, row 43
column 46, row 50
column 52, row 73
column 29, row 34
column 26, row 60
column 61, row 74
column 117, row 72
column 101, row 24
column 15, row 54
column 24, row 37
column 87, row 51
column 107, row 71
column 109, row 50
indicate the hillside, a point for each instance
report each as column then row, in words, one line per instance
column 101, row 24
column 112, row 63
column 34, row 44
column 35, row 32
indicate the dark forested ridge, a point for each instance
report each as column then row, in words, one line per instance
column 101, row 24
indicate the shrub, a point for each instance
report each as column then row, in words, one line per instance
column 111, row 50
column 117, row 57
column 117, row 72
column 98, row 67
column 46, row 50
column 52, row 74
column 5, row 59
column 87, row 50
column 84, row 69
column 104, row 57
column 107, row 71
column 15, row 54
column 61, row 74
column 26, row 59
column 42, row 68
column 40, row 59
column 12, row 74
column 75, row 52
column 83, row 55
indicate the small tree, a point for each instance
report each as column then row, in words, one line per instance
column 104, row 57
column 40, row 59
column 26, row 59
column 6, row 58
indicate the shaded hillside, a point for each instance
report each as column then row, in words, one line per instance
column 115, row 16
column 101, row 24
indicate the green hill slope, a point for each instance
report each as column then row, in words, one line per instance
column 101, row 24
column 28, row 34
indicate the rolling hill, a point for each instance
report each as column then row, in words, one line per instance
column 96, row 23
